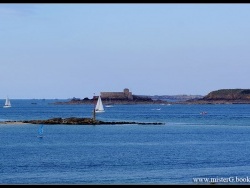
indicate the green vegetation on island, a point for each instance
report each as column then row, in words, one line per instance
column 224, row 96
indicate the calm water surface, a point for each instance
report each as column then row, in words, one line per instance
column 189, row 145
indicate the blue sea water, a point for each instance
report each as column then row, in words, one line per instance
column 189, row 145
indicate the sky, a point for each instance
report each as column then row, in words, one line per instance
column 61, row 51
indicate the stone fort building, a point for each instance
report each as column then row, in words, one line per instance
column 125, row 95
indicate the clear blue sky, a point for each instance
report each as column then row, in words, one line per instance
column 74, row 50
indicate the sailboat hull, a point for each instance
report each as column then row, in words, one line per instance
column 6, row 106
column 99, row 111
column 7, row 103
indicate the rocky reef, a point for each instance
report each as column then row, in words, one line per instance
column 85, row 121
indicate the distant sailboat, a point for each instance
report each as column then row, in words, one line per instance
column 99, row 105
column 40, row 131
column 7, row 103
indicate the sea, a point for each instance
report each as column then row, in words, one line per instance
column 196, row 144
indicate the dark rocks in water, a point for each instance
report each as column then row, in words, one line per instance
column 71, row 121
column 85, row 121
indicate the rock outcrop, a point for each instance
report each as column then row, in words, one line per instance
column 229, row 94
column 224, row 96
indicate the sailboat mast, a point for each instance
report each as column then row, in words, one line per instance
column 94, row 107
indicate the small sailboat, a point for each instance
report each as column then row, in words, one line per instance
column 7, row 103
column 99, row 105
column 40, row 132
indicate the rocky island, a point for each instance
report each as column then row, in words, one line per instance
column 126, row 97
column 223, row 96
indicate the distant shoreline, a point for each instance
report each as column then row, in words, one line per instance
column 195, row 102
column 221, row 96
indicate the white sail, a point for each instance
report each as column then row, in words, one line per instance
column 99, row 105
column 7, row 103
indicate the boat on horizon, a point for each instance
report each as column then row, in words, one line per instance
column 7, row 103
